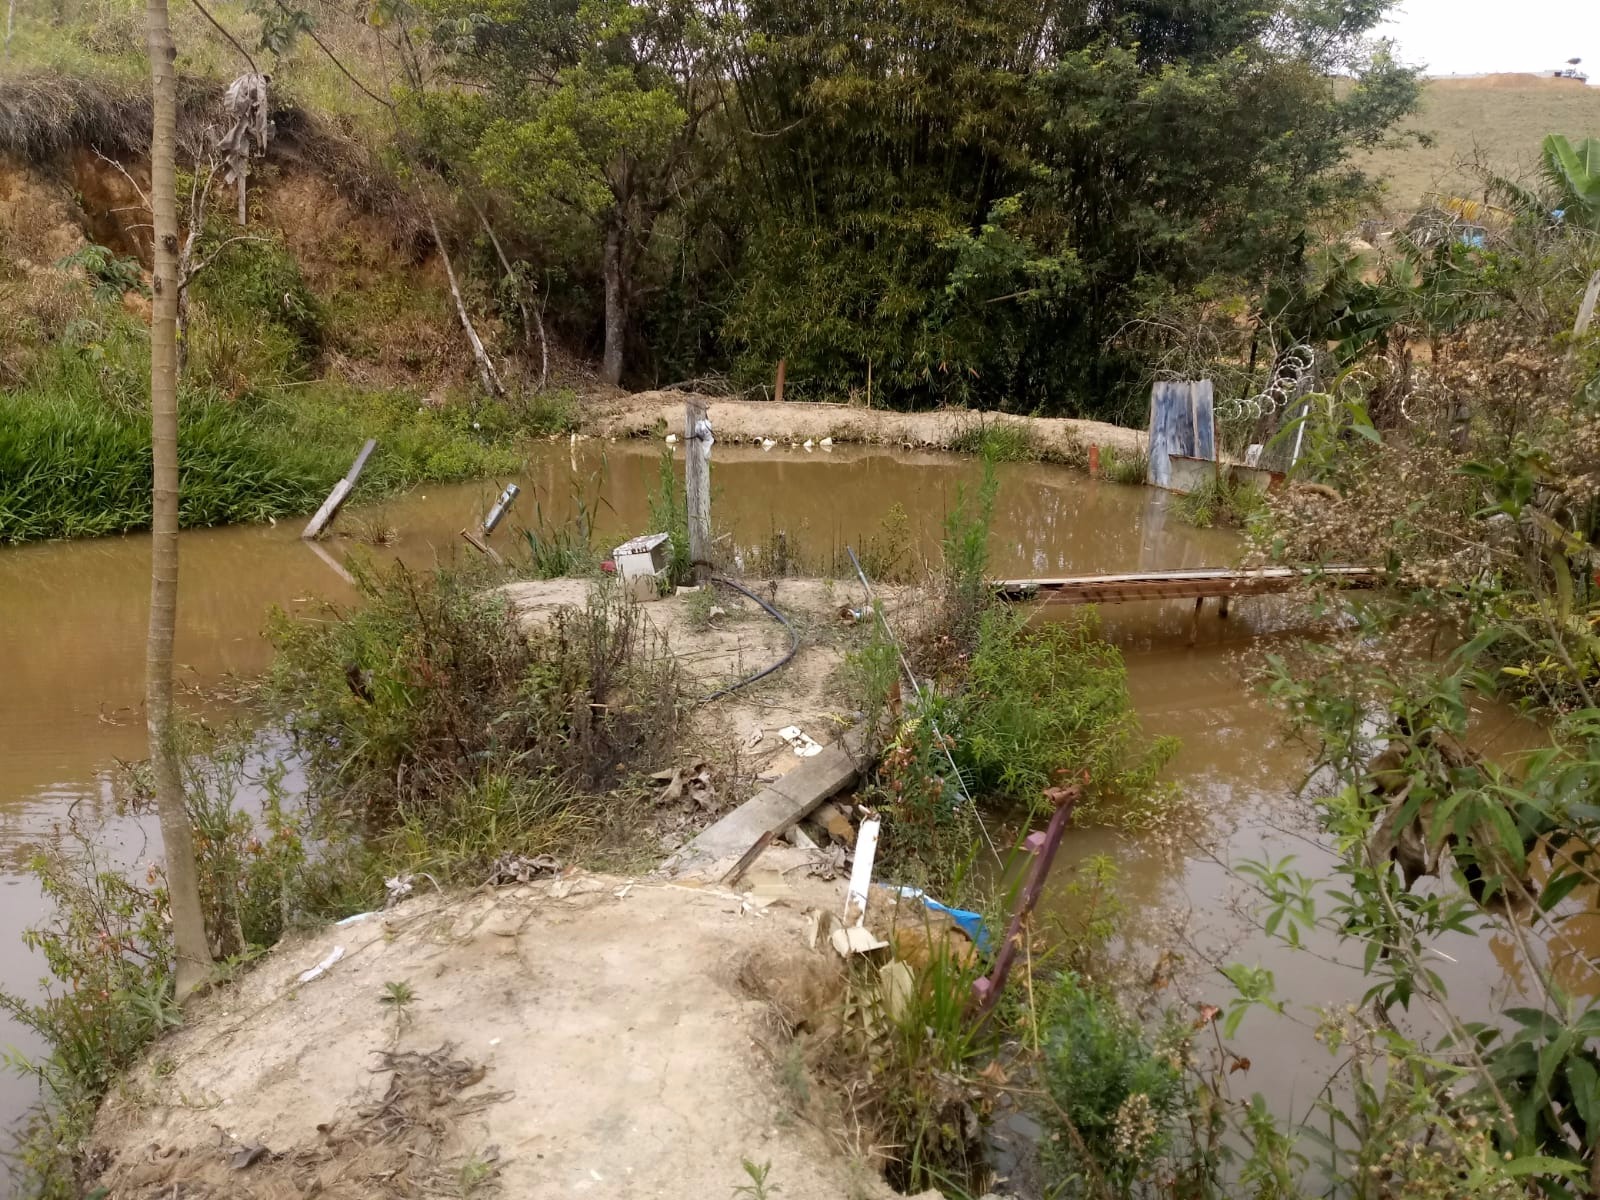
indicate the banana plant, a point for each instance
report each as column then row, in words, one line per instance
column 1574, row 171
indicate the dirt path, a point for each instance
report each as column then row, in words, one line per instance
column 577, row 1036
column 752, row 420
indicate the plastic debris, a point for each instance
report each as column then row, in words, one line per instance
column 324, row 966
column 855, row 897
column 356, row 919
column 803, row 744
column 969, row 922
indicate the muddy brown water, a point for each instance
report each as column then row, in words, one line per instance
column 72, row 661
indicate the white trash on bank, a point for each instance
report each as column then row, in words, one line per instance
column 803, row 743
column 322, row 967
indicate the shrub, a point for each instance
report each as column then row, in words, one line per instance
column 966, row 560
column 1047, row 704
column 253, row 290
column 431, row 690
column 669, row 514
column 1120, row 466
column 1112, row 1099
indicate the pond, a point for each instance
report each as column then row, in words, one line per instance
column 72, row 666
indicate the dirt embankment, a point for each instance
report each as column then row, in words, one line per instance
column 581, row 1035
column 645, row 413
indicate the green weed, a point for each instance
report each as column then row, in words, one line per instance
column 966, row 560
column 760, row 1187
column 1221, row 501
column 1120, row 466
column 998, row 441
column 1113, row 1100
column 429, row 711
column 1049, row 704
column 669, row 514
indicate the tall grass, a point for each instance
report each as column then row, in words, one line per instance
column 75, row 445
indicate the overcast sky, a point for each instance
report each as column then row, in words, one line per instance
column 1472, row 37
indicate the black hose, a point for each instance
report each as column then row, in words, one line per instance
column 794, row 642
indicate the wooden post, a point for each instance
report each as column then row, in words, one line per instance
column 340, row 491
column 869, row 383
column 697, row 441
column 1194, row 621
column 1222, row 608
column 777, row 388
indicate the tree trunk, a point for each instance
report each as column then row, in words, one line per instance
column 486, row 372
column 531, row 317
column 616, row 319
column 183, row 889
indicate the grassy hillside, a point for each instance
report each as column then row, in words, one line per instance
column 1498, row 119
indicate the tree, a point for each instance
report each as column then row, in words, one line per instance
column 976, row 196
column 591, row 119
column 188, row 924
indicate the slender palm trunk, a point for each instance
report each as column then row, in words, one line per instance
column 188, row 922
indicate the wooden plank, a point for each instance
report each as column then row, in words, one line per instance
column 781, row 803
column 1175, row 585
column 341, row 490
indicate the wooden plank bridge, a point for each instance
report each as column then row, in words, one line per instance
column 1197, row 585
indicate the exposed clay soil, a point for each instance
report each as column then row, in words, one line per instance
column 752, row 420
column 586, row 1035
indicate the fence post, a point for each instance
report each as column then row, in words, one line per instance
column 697, row 442
column 777, row 388
column 341, row 489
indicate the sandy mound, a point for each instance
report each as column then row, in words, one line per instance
column 752, row 420
column 580, row 1036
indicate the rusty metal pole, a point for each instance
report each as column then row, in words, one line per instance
column 986, row 991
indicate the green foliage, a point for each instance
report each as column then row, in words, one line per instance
column 428, row 710
column 1220, row 500
column 913, row 1070
column 1121, row 467
column 966, row 561
column 974, row 203
column 107, row 945
column 110, row 275
column 669, row 514
column 1574, row 173
column 75, row 445
column 760, row 1186
column 1113, row 1098
column 1045, row 706
column 997, row 441
column 253, row 288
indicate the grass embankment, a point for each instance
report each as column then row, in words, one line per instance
column 262, row 432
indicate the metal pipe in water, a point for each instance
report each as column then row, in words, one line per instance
column 501, row 507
